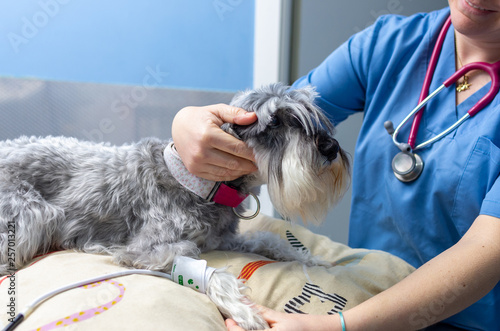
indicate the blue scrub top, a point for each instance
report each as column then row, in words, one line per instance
column 380, row 71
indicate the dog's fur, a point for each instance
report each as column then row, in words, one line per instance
column 61, row 193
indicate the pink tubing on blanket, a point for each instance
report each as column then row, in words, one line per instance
column 86, row 314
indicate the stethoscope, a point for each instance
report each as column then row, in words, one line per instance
column 407, row 165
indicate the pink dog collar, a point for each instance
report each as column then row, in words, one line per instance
column 217, row 192
column 227, row 196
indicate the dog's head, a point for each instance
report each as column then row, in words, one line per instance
column 306, row 170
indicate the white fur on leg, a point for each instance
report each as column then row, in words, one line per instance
column 225, row 291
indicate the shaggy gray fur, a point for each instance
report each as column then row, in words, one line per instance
column 61, row 193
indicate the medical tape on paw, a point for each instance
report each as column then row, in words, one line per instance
column 191, row 273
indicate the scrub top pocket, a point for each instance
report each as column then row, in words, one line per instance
column 477, row 183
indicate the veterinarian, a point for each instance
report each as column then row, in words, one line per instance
column 446, row 220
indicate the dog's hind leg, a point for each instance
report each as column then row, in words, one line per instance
column 27, row 224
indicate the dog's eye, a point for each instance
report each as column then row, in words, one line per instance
column 275, row 122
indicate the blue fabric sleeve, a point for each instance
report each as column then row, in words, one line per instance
column 349, row 77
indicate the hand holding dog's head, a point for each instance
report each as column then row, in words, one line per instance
column 306, row 170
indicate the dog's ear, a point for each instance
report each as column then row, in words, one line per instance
column 226, row 127
column 230, row 128
column 240, row 99
column 309, row 92
column 251, row 100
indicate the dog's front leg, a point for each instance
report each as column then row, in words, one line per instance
column 143, row 254
column 226, row 292
column 270, row 245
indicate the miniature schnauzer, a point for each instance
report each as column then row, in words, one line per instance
column 137, row 202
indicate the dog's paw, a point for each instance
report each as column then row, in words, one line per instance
column 305, row 257
column 225, row 291
column 251, row 321
column 313, row 261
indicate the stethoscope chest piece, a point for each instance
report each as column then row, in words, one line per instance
column 407, row 166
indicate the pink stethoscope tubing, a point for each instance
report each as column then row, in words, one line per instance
column 492, row 69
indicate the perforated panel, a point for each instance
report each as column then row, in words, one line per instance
column 98, row 112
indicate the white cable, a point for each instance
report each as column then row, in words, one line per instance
column 30, row 307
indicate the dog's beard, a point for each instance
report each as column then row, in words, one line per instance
column 298, row 184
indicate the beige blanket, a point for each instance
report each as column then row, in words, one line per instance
column 139, row 302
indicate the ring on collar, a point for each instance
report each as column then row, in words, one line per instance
column 257, row 211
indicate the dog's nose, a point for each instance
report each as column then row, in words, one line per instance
column 329, row 148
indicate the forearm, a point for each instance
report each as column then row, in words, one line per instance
column 442, row 287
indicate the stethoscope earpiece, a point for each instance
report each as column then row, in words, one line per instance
column 407, row 166
column 404, row 147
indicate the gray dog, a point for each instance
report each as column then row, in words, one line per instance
column 139, row 204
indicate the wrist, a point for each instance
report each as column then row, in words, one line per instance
column 325, row 323
column 342, row 321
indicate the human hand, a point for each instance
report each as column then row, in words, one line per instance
column 206, row 150
column 291, row 322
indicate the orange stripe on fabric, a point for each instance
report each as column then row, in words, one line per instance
column 251, row 267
